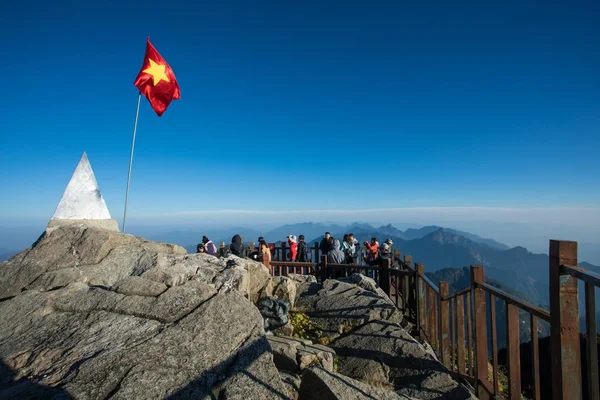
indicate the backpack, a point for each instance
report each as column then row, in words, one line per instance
column 304, row 251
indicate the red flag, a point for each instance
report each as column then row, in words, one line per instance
column 156, row 80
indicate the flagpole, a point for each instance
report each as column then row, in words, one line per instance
column 137, row 113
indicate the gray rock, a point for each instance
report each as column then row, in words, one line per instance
column 361, row 281
column 302, row 278
column 318, row 384
column 384, row 354
column 57, row 279
column 284, row 288
column 294, row 354
column 77, row 253
column 236, row 279
column 340, row 307
column 292, row 383
column 138, row 286
column 171, row 270
column 62, row 338
column 170, row 306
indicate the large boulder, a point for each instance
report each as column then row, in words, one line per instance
column 384, row 354
column 94, row 314
column 340, row 306
column 76, row 253
column 366, row 331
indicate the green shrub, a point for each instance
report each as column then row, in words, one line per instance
column 305, row 328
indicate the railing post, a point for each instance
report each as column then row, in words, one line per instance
column 481, row 348
column 460, row 340
column 251, row 247
column 406, row 287
column 513, row 351
column 420, row 272
column 324, row 275
column 444, row 331
column 384, row 282
column 564, row 325
column 221, row 251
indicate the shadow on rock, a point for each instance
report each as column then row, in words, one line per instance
column 26, row 388
column 235, row 375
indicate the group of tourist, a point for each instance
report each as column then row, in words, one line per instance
column 347, row 251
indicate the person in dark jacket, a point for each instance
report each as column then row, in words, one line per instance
column 237, row 247
column 303, row 250
column 325, row 246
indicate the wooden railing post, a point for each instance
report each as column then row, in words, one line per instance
column 514, row 355
column 384, row 282
column 460, row 340
column 324, row 274
column 564, row 326
column 444, row 331
column 433, row 304
column 420, row 272
column 406, row 287
column 481, row 348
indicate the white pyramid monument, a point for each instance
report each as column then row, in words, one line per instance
column 82, row 201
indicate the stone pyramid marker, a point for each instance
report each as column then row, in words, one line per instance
column 82, row 201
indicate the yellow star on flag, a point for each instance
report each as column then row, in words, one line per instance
column 157, row 71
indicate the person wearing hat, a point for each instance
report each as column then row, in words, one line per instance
column 385, row 251
column 390, row 243
column 293, row 247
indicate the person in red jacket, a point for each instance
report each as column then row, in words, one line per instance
column 373, row 248
column 293, row 247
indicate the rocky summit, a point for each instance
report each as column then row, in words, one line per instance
column 89, row 313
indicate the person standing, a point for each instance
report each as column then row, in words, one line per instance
column 325, row 246
column 293, row 247
column 303, row 250
column 348, row 249
column 373, row 248
column 266, row 254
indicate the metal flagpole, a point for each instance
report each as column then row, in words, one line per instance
column 137, row 113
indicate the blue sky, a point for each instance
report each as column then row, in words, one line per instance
column 304, row 105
